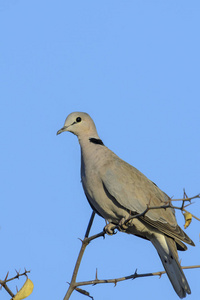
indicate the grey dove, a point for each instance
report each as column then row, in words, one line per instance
column 116, row 190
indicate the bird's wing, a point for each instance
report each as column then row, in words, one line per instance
column 134, row 191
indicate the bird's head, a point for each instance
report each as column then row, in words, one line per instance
column 80, row 124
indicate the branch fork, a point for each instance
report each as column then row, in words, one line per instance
column 3, row 283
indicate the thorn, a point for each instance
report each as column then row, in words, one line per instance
column 80, row 240
column 25, row 272
column 17, row 276
column 115, row 283
column 17, row 289
column 135, row 272
column 184, row 194
column 135, row 275
column 6, row 276
column 96, row 277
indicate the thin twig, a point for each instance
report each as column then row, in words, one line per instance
column 18, row 275
column 90, row 224
column 145, row 211
column 3, row 283
column 187, row 199
column 165, row 206
column 85, row 242
column 133, row 276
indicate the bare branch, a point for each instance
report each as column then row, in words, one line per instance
column 3, row 283
column 187, row 198
column 133, row 276
column 90, row 224
column 18, row 275
column 145, row 211
column 165, row 206
column 85, row 242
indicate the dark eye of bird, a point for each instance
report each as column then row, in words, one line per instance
column 78, row 119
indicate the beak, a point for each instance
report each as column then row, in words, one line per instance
column 62, row 130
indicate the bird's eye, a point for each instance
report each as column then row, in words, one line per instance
column 78, row 119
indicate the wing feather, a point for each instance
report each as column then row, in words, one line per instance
column 134, row 191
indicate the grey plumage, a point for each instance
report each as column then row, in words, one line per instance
column 116, row 189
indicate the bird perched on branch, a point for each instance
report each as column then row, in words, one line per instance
column 117, row 191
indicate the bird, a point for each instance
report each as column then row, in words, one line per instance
column 117, row 192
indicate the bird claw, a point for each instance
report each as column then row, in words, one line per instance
column 123, row 226
column 110, row 229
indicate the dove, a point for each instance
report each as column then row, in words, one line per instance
column 118, row 191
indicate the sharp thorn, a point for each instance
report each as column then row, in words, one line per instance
column 96, row 277
column 6, row 276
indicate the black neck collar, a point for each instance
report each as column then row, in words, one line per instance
column 96, row 141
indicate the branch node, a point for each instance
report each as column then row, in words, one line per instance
column 115, row 283
column 135, row 275
column 17, row 276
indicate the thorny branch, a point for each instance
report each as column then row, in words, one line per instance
column 3, row 283
column 73, row 285
column 187, row 198
column 133, row 276
column 167, row 205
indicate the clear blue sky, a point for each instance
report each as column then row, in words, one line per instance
column 134, row 67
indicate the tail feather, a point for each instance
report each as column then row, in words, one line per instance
column 167, row 251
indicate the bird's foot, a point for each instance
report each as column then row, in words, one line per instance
column 110, row 229
column 123, row 225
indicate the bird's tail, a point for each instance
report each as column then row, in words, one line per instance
column 167, row 251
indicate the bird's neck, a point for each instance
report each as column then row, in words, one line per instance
column 90, row 147
column 90, row 140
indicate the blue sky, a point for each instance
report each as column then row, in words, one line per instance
column 134, row 67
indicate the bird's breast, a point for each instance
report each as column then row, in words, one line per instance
column 107, row 207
